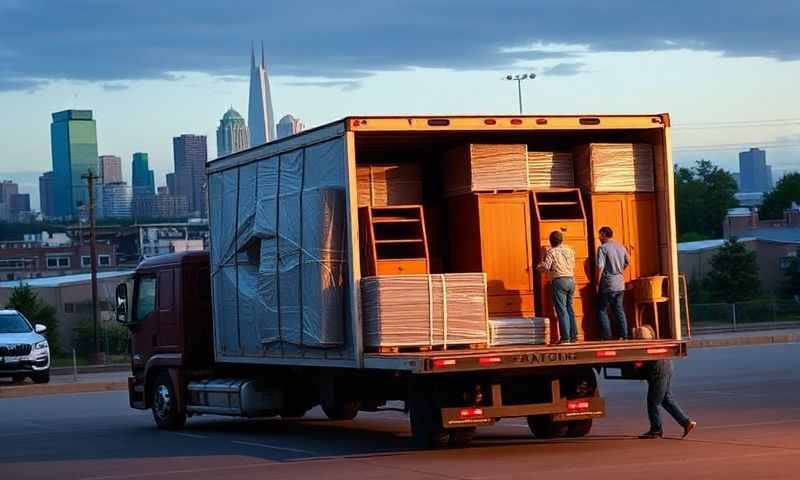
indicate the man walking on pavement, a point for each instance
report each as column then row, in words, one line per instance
column 658, row 374
column 612, row 260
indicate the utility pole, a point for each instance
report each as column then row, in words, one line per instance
column 90, row 178
column 519, row 78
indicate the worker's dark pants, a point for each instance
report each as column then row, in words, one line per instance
column 563, row 291
column 616, row 301
column 658, row 393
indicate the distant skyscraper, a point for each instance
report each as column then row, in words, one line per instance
column 8, row 189
column 171, row 184
column 143, row 181
column 232, row 134
column 260, row 118
column 73, row 141
column 754, row 173
column 117, row 199
column 111, row 168
column 47, row 194
column 190, row 153
column 289, row 125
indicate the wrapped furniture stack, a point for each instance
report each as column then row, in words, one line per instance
column 424, row 310
column 519, row 331
column 616, row 167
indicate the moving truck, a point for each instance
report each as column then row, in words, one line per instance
column 272, row 320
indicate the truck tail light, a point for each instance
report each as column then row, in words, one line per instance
column 516, row 121
column 541, row 121
column 489, row 360
column 657, row 351
column 606, row 353
column 444, row 362
column 573, row 405
column 470, row 412
column 490, row 121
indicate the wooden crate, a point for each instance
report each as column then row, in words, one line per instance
column 485, row 168
column 389, row 184
column 615, row 167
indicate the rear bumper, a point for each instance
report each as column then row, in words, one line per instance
column 561, row 411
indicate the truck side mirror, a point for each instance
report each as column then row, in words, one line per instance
column 122, row 303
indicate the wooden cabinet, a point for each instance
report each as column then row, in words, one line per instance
column 491, row 233
column 634, row 219
column 393, row 240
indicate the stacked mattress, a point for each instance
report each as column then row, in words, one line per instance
column 424, row 310
column 616, row 167
column 519, row 331
column 485, row 168
column 380, row 185
column 550, row 170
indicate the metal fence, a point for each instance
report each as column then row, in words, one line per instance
column 741, row 316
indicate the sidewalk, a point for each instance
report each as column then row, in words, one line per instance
column 118, row 380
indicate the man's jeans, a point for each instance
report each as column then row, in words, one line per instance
column 563, row 290
column 615, row 300
column 658, row 393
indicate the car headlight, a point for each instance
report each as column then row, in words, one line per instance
column 40, row 345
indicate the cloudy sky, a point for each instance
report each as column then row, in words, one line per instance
column 727, row 71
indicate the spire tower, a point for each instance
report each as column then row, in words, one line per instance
column 260, row 116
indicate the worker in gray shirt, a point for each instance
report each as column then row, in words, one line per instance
column 612, row 260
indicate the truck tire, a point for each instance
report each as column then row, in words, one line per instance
column 543, row 426
column 426, row 425
column 579, row 428
column 41, row 377
column 164, row 403
column 461, row 437
column 341, row 410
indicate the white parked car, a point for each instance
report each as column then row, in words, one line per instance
column 24, row 352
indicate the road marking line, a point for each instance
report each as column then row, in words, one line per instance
column 273, row 447
column 754, row 424
column 190, row 435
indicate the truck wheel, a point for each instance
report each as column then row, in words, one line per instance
column 543, row 426
column 41, row 377
column 166, row 411
column 426, row 425
column 579, row 428
column 341, row 410
column 461, row 437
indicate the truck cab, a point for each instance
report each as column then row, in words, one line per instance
column 170, row 322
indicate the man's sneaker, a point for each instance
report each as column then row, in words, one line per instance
column 688, row 427
column 651, row 434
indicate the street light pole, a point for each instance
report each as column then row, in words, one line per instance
column 90, row 177
column 519, row 78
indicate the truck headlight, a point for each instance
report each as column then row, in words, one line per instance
column 41, row 345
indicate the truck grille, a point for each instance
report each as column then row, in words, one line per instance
column 18, row 350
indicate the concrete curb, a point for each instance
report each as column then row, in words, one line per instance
column 16, row 391
column 732, row 341
column 120, row 367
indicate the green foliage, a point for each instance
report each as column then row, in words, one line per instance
column 698, row 292
column 116, row 335
column 703, row 195
column 692, row 237
column 790, row 287
column 734, row 274
column 16, row 229
column 786, row 191
column 26, row 301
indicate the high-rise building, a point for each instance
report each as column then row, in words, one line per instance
column 110, row 168
column 117, row 200
column 232, row 134
column 171, row 184
column 754, row 173
column 288, row 126
column 47, row 195
column 260, row 117
column 143, row 180
column 8, row 189
column 73, row 142
column 190, row 153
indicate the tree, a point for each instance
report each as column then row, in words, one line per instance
column 704, row 193
column 26, row 301
column 790, row 287
column 786, row 191
column 734, row 274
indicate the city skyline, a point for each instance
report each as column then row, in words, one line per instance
column 260, row 113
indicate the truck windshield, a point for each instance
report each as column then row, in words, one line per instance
column 13, row 323
column 145, row 298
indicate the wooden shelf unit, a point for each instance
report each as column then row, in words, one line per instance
column 393, row 240
column 563, row 210
column 490, row 232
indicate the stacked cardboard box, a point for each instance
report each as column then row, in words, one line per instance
column 424, row 310
column 616, row 167
column 519, row 331
column 380, row 185
column 485, row 168
column 550, row 170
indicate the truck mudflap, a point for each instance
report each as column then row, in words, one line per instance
column 563, row 411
